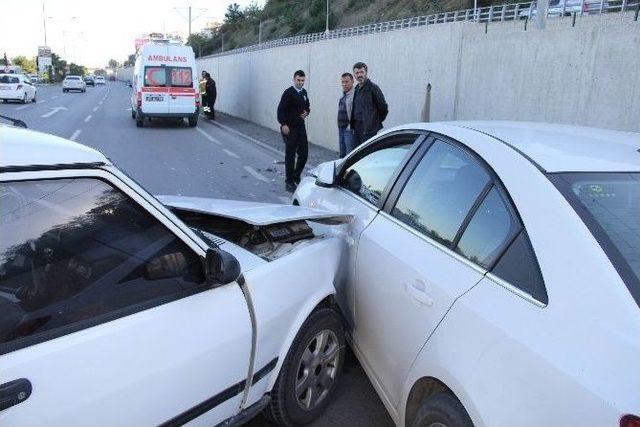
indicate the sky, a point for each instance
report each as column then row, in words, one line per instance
column 92, row 32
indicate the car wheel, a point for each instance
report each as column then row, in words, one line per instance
column 193, row 122
column 34, row 98
column 24, row 98
column 442, row 410
column 310, row 372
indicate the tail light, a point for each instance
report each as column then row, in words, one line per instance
column 630, row 421
column 19, row 87
column 139, row 98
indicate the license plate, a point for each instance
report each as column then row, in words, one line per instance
column 154, row 98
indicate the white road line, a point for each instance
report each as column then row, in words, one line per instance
column 100, row 103
column 23, row 107
column 75, row 135
column 286, row 200
column 206, row 135
column 231, row 153
column 95, row 108
column 255, row 173
column 41, row 101
column 87, row 118
column 54, row 97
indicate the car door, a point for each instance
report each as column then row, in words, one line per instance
column 407, row 275
column 362, row 184
column 155, row 90
column 182, row 94
column 105, row 318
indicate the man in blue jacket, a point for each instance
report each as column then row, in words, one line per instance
column 292, row 112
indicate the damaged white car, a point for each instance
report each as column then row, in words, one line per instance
column 114, row 310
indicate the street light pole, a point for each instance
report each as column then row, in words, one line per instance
column 326, row 30
column 44, row 22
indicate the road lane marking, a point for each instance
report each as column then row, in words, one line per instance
column 75, row 135
column 100, row 103
column 53, row 111
column 231, row 153
column 22, row 108
column 206, row 135
column 41, row 101
column 87, row 118
column 257, row 175
column 54, row 97
column 95, row 108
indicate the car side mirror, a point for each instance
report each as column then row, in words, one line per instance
column 221, row 267
column 326, row 174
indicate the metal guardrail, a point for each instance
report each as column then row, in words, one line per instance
column 505, row 12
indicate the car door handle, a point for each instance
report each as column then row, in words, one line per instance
column 14, row 392
column 418, row 291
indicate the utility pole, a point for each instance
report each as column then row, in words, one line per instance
column 260, row 32
column 326, row 30
column 189, row 21
column 44, row 22
column 190, row 18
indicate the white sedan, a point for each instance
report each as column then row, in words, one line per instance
column 119, row 310
column 72, row 82
column 17, row 87
column 100, row 80
column 493, row 271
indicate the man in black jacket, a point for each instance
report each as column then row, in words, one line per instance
column 369, row 106
column 292, row 111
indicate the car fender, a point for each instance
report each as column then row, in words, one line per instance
column 284, row 293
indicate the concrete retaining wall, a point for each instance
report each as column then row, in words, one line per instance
column 588, row 74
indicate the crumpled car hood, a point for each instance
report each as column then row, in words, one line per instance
column 254, row 213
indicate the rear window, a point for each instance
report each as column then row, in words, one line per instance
column 73, row 78
column 9, row 79
column 609, row 204
column 168, row 76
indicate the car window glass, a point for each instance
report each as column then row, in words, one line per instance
column 77, row 249
column 440, row 192
column 491, row 227
column 519, row 267
column 181, row 77
column 369, row 176
column 155, row 76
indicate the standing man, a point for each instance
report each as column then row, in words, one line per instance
column 292, row 111
column 345, row 104
column 211, row 95
column 369, row 106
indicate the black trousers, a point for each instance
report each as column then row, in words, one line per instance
column 359, row 136
column 295, row 144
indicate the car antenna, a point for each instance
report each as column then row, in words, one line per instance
column 15, row 122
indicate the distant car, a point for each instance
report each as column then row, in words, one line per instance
column 100, row 80
column 35, row 78
column 157, row 310
column 493, row 271
column 17, row 87
column 73, row 83
column 112, row 78
column 567, row 7
column 89, row 80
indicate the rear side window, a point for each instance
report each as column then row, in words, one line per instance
column 79, row 250
column 491, row 228
column 181, row 77
column 440, row 192
column 155, row 76
column 9, row 79
column 519, row 266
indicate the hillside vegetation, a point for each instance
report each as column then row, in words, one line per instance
column 284, row 18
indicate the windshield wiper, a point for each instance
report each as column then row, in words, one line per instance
column 15, row 122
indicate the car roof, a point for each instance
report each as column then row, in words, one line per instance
column 560, row 148
column 27, row 149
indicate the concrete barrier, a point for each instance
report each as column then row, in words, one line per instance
column 588, row 74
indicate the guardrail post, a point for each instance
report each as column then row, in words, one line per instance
column 564, row 8
column 637, row 11
column 601, row 6
column 526, row 20
column 573, row 20
column 582, row 8
column 515, row 12
column 502, row 14
column 624, row 6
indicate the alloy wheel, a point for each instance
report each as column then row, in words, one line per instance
column 317, row 369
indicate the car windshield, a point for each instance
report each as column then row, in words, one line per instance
column 609, row 204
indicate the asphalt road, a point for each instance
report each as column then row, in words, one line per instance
column 167, row 157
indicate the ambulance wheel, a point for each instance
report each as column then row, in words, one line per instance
column 139, row 120
column 193, row 122
column 133, row 113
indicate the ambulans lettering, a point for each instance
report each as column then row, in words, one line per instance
column 166, row 58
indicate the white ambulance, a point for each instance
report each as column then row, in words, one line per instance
column 165, row 83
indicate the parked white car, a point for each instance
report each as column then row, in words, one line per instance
column 17, row 87
column 71, row 82
column 493, row 271
column 119, row 310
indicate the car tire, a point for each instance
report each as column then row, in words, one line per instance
column 24, row 98
column 34, row 98
column 290, row 408
column 443, row 410
column 193, row 122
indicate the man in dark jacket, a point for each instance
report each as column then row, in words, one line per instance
column 210, row 95
column 369, row 106
column 292, row 111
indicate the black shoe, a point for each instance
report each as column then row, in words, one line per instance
column 296, row 181
column 291, row 187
